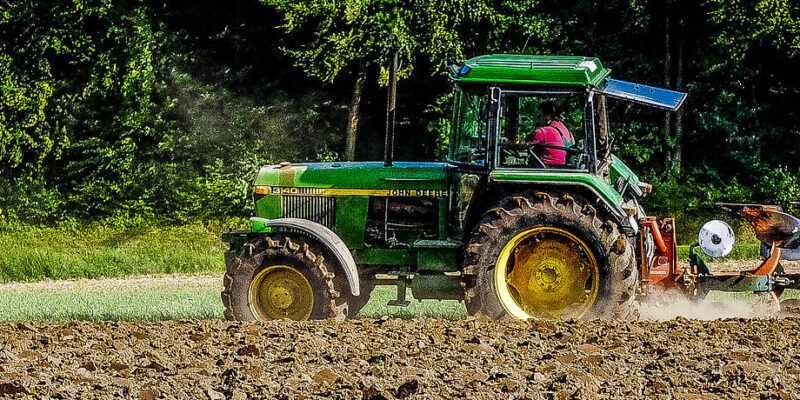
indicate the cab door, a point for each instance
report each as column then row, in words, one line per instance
column 473, row 132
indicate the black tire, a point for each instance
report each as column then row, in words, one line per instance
column 366, row 286
column 355, row 304
column 286, row 249
column 612, row 250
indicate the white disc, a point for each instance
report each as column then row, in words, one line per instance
column 716, row 238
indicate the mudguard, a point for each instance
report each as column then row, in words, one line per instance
column 321, row 233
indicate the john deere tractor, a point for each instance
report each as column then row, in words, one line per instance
column 495, row 225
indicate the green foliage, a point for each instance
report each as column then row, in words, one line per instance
column 101, row 118
column 440, row 128
column 138, row 111
column 26, row 91
column 355, row 34
column 775, row 23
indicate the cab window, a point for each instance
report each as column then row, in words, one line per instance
column 470, row 127
column 542, row 131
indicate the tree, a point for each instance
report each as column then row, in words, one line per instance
column 26, row 91
column 353, row 36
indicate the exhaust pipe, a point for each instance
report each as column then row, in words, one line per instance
column 391, row 99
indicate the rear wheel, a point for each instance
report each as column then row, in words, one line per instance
column 281, row 276
column 550, row 257
column 546, row 272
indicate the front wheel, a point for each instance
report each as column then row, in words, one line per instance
column 548, row 257
column 281, row 276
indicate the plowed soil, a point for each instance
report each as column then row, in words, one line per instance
column 391, row 358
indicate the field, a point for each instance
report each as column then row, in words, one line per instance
column 104, row 330
column 149, row 273
column 30, row 253
column 183, row 297
column 393, row 358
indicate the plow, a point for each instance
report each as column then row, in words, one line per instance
column 778, row 232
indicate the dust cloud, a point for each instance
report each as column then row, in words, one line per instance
column 667, row 305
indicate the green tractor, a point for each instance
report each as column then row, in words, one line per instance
column 511, row 234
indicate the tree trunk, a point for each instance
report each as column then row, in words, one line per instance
column 668, row 75
column 676, row 162
column 352, row 116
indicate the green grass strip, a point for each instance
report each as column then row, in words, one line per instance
column 37, row 253
column 158, row 298
column 120, row 304
column 118, row 301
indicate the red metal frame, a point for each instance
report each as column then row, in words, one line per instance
column 662, row 269
column 769, row 265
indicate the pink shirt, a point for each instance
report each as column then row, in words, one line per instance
column 548, row 135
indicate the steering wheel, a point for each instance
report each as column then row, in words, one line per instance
column 513, row 153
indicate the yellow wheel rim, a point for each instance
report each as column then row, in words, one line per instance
column 546, row 272
column 279, row 291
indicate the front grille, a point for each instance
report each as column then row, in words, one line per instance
column 313, row 208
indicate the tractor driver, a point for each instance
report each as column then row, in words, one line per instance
column 551, row 141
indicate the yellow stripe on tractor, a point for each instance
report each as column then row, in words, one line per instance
column 307, row 191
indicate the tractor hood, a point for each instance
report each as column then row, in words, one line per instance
column 353, row 178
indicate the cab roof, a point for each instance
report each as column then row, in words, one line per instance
column 533, row 69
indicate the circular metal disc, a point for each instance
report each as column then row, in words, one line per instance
column 716, row 238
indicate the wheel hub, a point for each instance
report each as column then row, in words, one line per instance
column 547, row 277
column 281, row 294
column 546, row 272
column 280, row 291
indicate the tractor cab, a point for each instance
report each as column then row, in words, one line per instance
column 503, row 139
column 512, row 121
column 499, row 103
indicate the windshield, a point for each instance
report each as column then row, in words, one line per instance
column 469, row 127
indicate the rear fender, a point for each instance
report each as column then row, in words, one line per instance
column 323, row 235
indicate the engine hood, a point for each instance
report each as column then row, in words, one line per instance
column 353, row 175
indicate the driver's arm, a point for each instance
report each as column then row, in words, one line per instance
column 534, row 138
column 516, row 146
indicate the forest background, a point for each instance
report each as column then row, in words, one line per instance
column 160, row 112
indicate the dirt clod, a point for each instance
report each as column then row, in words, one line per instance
column 407, row 389
column 12, row 388
column 249, row 350
column 148, row 394
column 325, row 375
column 383, row 359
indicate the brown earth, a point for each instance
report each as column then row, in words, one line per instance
column 416, row 359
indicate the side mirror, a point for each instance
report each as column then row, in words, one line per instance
column 453, row 69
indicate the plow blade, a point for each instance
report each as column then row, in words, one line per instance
column 771, row 225
column 735, row 282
